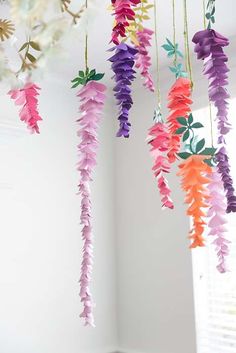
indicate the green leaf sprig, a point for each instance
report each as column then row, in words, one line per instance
column 173, row 51
column 210, row 14
column 28, row 59
column 86, row 76
column 195, row 146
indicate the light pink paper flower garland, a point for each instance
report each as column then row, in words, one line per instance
column 217, row 218
column 26, row 97
column 92, row 99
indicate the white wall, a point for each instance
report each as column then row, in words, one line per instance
column 155, row 294
column 155, row 309
column 40, row 245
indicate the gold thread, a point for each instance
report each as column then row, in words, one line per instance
column 209, row 102
column 174, row 30
column 157, row 56
column 187, row 42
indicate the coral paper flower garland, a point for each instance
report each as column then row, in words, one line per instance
column 158, row 139
column 92, row 99
column 209, row 47
column 195, row 179
column 217, row 219
column 143, row 61
column 179, row 98
column 122, row 65
column 27, row 98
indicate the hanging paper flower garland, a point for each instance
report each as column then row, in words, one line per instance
column 143, row 61
column 123, row 61
column 27, row 98
column 92, row 100
column 158, row 139
column 179, row 98
column 217, row 219
column 141, row 37
column 122, row 65
column 209, row 47
column 195, row 172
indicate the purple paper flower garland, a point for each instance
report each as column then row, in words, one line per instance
column 122, row 65
column 209, row 47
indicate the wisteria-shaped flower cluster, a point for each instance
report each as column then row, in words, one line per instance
column 92, row 100
column 27, row 98
column 158, row 139
column 143, row 61
column 123, row 13
column 179, row 105
column 209, row 46
column 122, row 65
column 194, row 173
column 217, row 219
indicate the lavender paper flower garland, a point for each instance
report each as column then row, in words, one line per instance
column 209, row 47
column 122, row 65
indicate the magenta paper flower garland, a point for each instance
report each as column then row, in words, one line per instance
column 92, row 100
column 209, row 47
column 27, row 98
column 217, row 219
column 143, row 60
column 158, row 139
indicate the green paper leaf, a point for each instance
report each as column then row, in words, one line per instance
column 35, row 46
column 197, row 126
column 209, row 162
column 75, row 79
column 75, row 85
column 180, row 130
column 169, row 42
column 200, row 145
column 209, row 151
column 190, row 118
column 167, row 47
column 186, row 136
column 81, row 73
column 92, row 72
column 98, row 77
column 182, row 121
column 31, row 57
column 23, row 47
column 184, row 155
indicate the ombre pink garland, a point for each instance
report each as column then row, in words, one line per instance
column 27, row 98
column 217, row 220
column 92, row 100
column 143, row 61
column 158, row 138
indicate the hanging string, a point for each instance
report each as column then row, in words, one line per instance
column 189, row 64
column 86, row 39
column 174, row 30
column 210, row 107
column 158, row 89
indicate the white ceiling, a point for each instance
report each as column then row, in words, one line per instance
column 100, row 30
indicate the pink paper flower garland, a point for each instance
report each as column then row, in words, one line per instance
column 217, row 219
column 92, row 100
column 27, row 98
column 143, row 59
column 158, row 138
